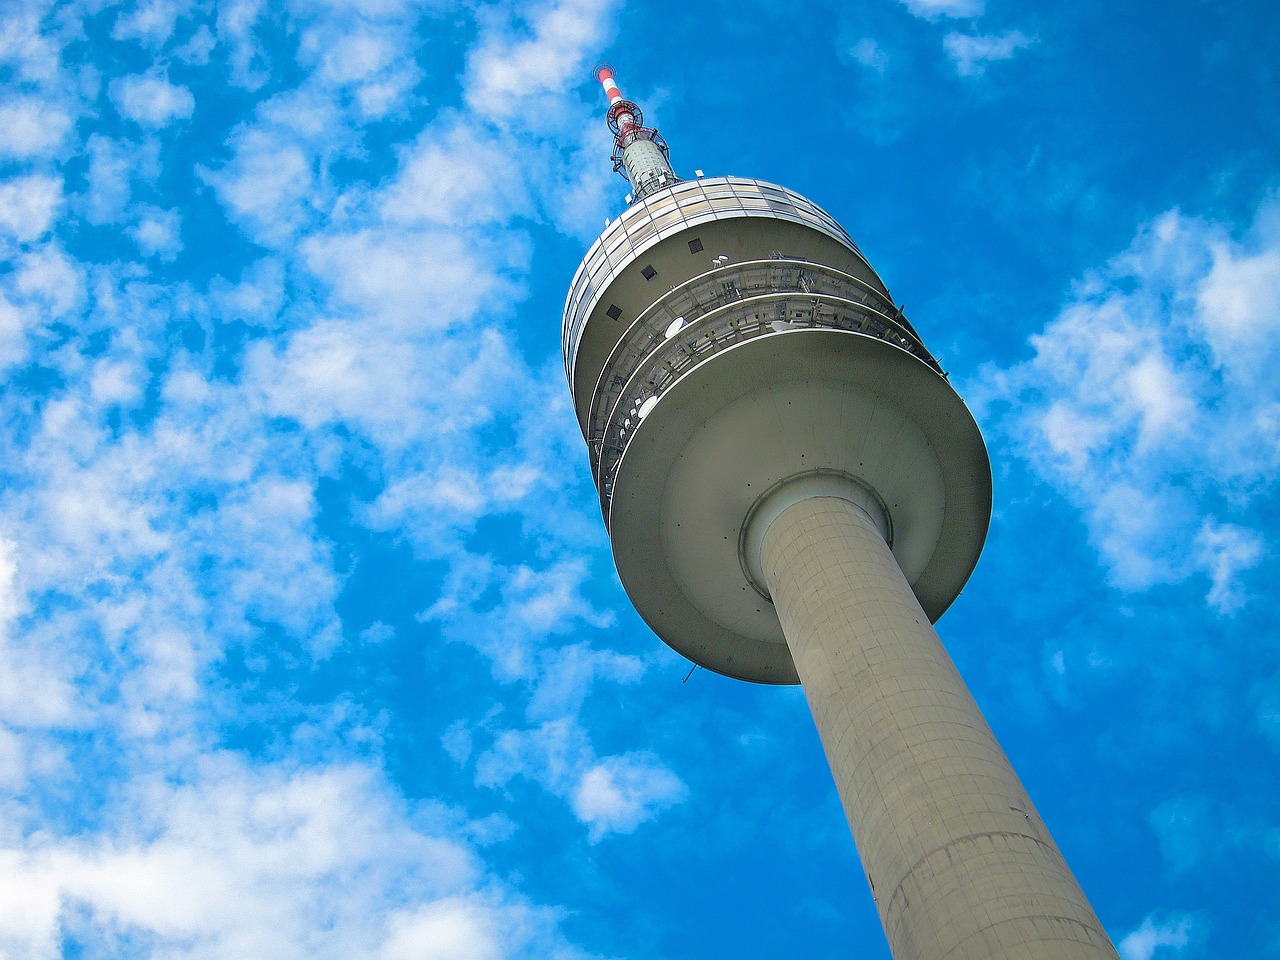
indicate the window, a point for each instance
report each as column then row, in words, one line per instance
column 614, row 311
column 648, row 273
column 695, row 245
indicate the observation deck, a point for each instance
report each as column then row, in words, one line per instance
column 724, row 336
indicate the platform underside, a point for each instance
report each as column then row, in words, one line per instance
column 763, row 411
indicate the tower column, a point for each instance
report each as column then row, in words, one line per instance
column 960, row 863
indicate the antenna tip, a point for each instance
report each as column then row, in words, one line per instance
column 603, row 71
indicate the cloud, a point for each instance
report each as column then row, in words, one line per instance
column 276, row 182
column 157, row 233
column 370, row 56
column 1238, row 302
column 246, row 55
column 937, row 9
column 268, row 187
column 618, row 794
column 870, row 54
column 454, row 177
column 151, row 100
column 31, row 127
column 256, row 299
column 28, row 205
column 34, row 689
column 533, row 604
column 1155, row 936
column 46, row 278
column 34, row 56
column 1145, row 402
column 15, row 322
column 971, row 52
column 516, row 63
column 151, row 22
column 116, row 167
column 266, row 862
column 430, row 277
column 1225, row 551
column 608, row 795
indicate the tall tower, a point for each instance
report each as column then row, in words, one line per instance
column 794, row 493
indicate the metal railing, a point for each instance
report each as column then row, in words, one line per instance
column 693, row 300
column 716, row 330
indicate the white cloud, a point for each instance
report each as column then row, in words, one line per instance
column 48, row 278
column 453, row 929
column 34, row 56
column 1239, row 304
column 1153, row 937
column 15, row 322
column 257, row 299
column 371, row 56
column 114, row 166
column 355, row 57
column 870, row 54
column 31, row 127
column 275, row 182
column 28, row 205
column 35, row 689
column 268, row 185
column 162, row 523
column 519, row 62
column 568, row 674
column 971, row 53
column 534, row 605
column 612, row 794
column 196, row 50
column 266, row 863
column 1225, row 551
column 456, row 177
column 158, row 233
column 620, row 793
column 151, row 100
column 430, row 277
column 1145, row 403
column 247, row 56
column 151, row 22
column 936, row 9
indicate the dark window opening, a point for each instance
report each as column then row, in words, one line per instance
column 695, row 245
column 648, row 272
column 614, row 311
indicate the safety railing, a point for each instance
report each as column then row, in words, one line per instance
column 688, row 303
column 717, row 330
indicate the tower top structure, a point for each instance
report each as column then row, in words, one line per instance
column 639, row 152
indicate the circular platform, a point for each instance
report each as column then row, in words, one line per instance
column 770, row 408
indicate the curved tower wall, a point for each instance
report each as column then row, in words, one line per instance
column 794, row 493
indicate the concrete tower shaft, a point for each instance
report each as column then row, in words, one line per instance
column 959, row 862
column 794, row 493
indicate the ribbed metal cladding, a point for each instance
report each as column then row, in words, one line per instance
column 960, row 863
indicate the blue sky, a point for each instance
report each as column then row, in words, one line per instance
column 310, row 641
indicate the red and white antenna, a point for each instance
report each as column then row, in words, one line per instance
column 639, row 152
